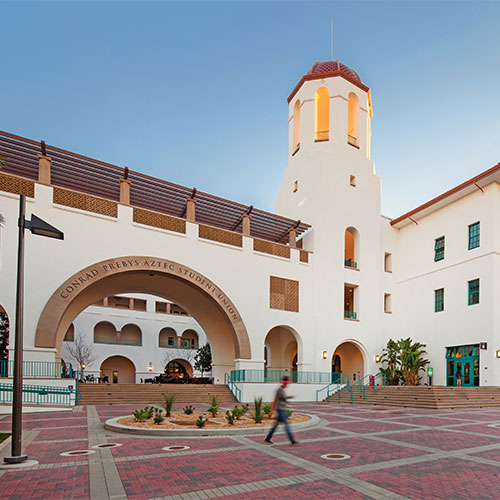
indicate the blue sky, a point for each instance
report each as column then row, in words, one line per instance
column 195, row 92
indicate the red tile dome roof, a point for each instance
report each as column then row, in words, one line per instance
column 329, row 66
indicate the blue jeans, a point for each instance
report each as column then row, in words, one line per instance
column 282, row 417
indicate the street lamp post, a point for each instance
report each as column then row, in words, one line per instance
column 41, row 228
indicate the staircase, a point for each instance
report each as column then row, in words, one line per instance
column 145, row 394
column 435, row 397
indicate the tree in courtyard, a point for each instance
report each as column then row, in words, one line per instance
column 404, row 359
column 80, row 351
column 4, row 342
column 203, row 359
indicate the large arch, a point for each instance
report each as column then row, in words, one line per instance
column 282, row 344
column 118, row 369
column 352, row 358
column 175, row 282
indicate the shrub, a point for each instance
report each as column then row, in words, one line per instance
column 214, row 406
column 201, row 421
column 238, row 412
column 230, row 417
column 169, row 402
column 188, row 409
column 289, row 413
column 158, row 418
column 267, row 409
column 257, row 413
column 142, row 414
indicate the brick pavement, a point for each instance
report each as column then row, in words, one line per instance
column 394, row 454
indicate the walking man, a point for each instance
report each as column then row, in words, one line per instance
column 279, row 404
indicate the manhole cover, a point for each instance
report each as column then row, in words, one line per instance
column 335, row 456
column 107, row 445
column 494, row 425
column 175, row 448
column 76, row 453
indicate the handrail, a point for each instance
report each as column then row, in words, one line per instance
column 359, row 386
column 39, row 394
column 275, row 376
column 232, row 387
column 338, row 386
column 38, row 369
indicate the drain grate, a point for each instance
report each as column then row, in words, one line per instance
column 76, row 453
column 176, row 448
column 335, row 456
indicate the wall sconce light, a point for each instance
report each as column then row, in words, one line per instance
column 84, row 366
column 377, row 359
column 498, row 353
column 150, row 367
column 325, row 355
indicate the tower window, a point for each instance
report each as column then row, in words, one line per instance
column 351, row 248
column 439, row 300
column 350, row 299
column 474, row 236
column 295, row 186
column 439, row 249
column 387, row 303
column 296, row 127
column 388, row 262
column 322, row 127
column 352, row 181
column 353, row 120
column 473, row 292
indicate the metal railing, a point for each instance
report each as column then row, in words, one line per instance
column 38, row 369
column 41, row 395
column 350, row 263
column 350, row 315
column 339, row 381
column 275, row 376
column 368, row 381
column 232, row 387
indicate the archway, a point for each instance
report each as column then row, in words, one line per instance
column 350, row 359
column 118, row 369
column 282, row 348
column 207, row 303
column 336, row 368
column 178, row 368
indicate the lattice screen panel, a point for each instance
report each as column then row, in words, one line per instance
column 161, row 221
column 17, row 185
column 220, row 235
column 85, row 202
column 284, row 294
column 271, row 248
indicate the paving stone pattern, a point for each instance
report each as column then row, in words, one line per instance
column 394, row 454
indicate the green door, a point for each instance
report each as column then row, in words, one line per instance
column 464, row 360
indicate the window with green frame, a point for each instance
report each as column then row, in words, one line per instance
column 439, row 249
column 474, row 237
column 439, row 300
column 474, row 292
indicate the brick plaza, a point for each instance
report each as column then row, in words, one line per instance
column 395, row 453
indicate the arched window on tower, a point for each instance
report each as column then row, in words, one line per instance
column 353, row 120
column 322, row 127
column 296, row 127
column 351, row 248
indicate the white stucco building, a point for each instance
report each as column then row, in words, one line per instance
column 319, row 286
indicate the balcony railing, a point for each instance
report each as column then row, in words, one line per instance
column 105, row 340
column 351, row 263
column 275, row 376
column 322, row 135
column 131, row 342
column 350, row 315
column 353, row 141
column 38, row 369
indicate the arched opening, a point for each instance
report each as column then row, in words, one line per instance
column 119, row 370
column 105, row 333
column 189, row 340
column 351, row 248
column 131, row 335
column 70, row 334
column 282, row 348
column 205, row 301
column 353, row 120
column 336, row 368
column 296, row 127
column 322, row 126
column 349, row 359
column 4, row 342
column 167, row 337
column 178, row 368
